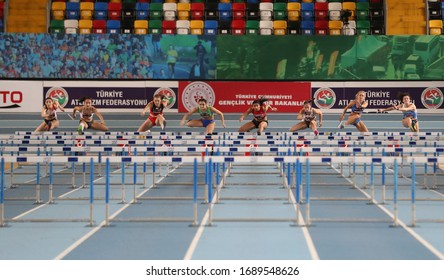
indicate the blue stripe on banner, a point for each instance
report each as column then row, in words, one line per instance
column 132, row 142
column 270, row 136
column 412, row 143
column 233, row 149
column 176, row 159
column 27, row 137
column 432, row 160
column 439, row 150
column 108, row 149
column 316, row 149
column 73, row 159
column 341, row 142
column 422, row 138
column 378, row 142
column 22, row 159
column 270, row 142
column 126, row 159
column 331, row 138
column 200, row 142
column 23, row 149
column 235, row 142
column 179, row 137
column 360, row 137
column 191, row 149
column 150, row 149
column 357, row 150
column 58, row 137
column 119, row 137
column 60, row 142
column 278, row 159
column 167, row 142
column 428, row 133
column 376, row 160
column 307, row 142
column 348, row 133
column 66, row 149
column 88, row 137
column 97, row 142
column 25, row 142
column 399, row 150
column 274, row 149
column 229, row 159
column 326, row 159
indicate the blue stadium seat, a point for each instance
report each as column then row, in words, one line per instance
column 210, row 27
column 142, row 10
column 113, row 26
column 72, row 10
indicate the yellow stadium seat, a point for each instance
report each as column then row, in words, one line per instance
column 86, row 10
column 293, row 11
column 183, row 11
column 435, row 27
column 140, row 26
column 58, row 10
column 280, row 27
column 335, row 27
column 196, row 27
column 85, row 26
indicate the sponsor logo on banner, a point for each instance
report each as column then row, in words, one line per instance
column 10, row 99
column 432, row 98
column 324, row 98
column 195, row 91
column 59, row 94
column 169, row 94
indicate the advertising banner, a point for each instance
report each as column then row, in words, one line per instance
column 110, row 95
column 378, row 95
column 20, row 96
column 237, row 97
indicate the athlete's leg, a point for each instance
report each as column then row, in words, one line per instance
column 210, row 128
column 262, row 127
column 99, row 126
column 298, row 126
column 247, row 127
column 314, row 126
column 160, row 121
column 146, row 125
column 361, row 127
column 54, row 124
column 41, row 127
column 195, row 123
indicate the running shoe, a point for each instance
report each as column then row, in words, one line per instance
column 163, row 125
column 80, row 130
column 316, row 132
column 341, row 125
column 414, row 127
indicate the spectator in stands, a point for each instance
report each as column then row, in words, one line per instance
column 200, row 52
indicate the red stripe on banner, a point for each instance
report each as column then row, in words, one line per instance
column 236, row 97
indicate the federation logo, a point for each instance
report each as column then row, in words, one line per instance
column 432, row 98
column 324, row 98
column 59, row 94
column 195, row 91
column 168, row 94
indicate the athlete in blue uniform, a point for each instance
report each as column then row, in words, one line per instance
column 357, row 106
column 206, row 113
column 409, row 112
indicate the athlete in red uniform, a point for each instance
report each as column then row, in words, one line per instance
column 259, row 110
column 155, row 107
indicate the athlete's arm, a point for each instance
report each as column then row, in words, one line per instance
column 220, row 114
column 147, row 108
column 319, row 113
column 99, row 115
column 182, row 122
column 245, row 114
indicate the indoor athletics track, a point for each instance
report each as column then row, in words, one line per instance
column 178, row 195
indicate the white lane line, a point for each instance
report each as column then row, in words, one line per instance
column 202, row 225
column 103, row 223
column 415, row 235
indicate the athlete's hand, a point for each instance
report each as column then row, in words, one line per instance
column 182, row 122
column 223, row 124
column 341, row 117
column 241, row 119
column 320, row 124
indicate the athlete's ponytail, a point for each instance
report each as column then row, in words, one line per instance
column 260, row 101
column 82, row 99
